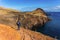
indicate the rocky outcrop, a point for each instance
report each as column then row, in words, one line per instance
column 29, row 20
column 34, row 19
column 8, row 33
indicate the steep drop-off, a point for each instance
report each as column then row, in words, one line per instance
column 29, row 21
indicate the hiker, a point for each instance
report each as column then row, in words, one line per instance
column 18, row 24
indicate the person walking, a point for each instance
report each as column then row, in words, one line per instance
column 18, row 24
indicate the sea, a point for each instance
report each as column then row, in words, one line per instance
column 52, row 28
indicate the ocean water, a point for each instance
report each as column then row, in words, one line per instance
column 52, row 28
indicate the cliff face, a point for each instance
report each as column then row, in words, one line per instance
column 34, row 19
column 29, row 21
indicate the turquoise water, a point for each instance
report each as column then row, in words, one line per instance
column 52, row 28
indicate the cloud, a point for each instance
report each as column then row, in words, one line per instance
column 53, row 9
column 57, row 7
column 28, row 8
column 48, row 9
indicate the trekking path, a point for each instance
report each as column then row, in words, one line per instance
column 8, row 33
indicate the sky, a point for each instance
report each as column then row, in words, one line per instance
column 29, row 5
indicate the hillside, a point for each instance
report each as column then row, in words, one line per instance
column 6, row 10
column 8, row 16
column 29, row 21
column 8, row 33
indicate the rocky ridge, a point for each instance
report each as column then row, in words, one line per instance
column 29, row 21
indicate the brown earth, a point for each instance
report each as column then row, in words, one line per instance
column 28, row 20
column 8, row 33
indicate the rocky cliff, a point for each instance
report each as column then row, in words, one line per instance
column 29, row 21
column 34, row 19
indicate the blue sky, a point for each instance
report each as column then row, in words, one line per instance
column 29, row 5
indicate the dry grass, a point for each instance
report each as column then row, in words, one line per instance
column 27, row 19
column 8, row 33
column 8, row 19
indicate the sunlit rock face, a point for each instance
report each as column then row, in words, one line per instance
column 28, row 20
column 34, row 19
